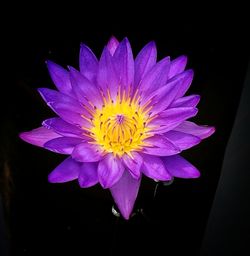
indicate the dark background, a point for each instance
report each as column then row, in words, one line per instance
column 62, row 219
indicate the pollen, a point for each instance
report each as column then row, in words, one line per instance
column 120, row 125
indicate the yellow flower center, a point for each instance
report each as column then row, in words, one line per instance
column 120, row 126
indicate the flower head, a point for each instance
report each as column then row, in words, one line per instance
column 119, row 118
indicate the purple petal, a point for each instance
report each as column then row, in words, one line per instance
column 186, row 79
column 133, row 163
column 125, row 192
column 156, row 77
column 86, row 152
column 112, row 45
column 110, row 170
column 182, row 140
column 124, row 64
column 38, row 136
column 84, row 89
column 63, row 128
column 200, row 131
column 70, row 116
column 106, row 77
column 170, row 118
column 179, row 167
column 52, row 96
column 144, row 61
column 88, row 62
column 177, row 66
column 68, row 170
column 62, row 145
column 165, row 95
column 88, row 175
column 60, row 77
column 160, row 146
column 154, row 168
column 188, row 101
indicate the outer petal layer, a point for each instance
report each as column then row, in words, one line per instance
column 156, row 77
column 154, row 168
column 88, row 62
column 171, row 118
column 84, row 89
column 112, row 45
column 201, row 131
column 133, row 163
column 144, row 61
column 62, row 145
column 188, row 101
column 88, row 175
column 125, row 192
column 160, row 146
column 68, row 170
column 39, row 136
column 65, row 129
column 177, row 66
column 180, row 167
column 124, row 64
column 60, row 77
column 110, row 170
column 86, row 152
column 182, row 140
column 106, row 77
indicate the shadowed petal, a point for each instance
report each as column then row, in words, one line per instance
column 63, row 128
column 62, row 145
column 180, row 167
column 165, row 95
column 52, row 96
column 124, row 64
column 182, row 140
column 69, row 116
column 39, row 136
column 144, row 61
column 170, row 118
column 188, row 101
column 112, row 45
column 86, row 152
column 177, row 66
column 110, row 170
column 133, row 163
column 88, row 62
column 84, row 89
column 60, row 77
column 201, row 131
column 162, row 97
column 160, row 146
column 88, row 175
column 186, row 79
column 125, row 192
column 68, row 170
column 154, row 168
column 107, row 77
column 156, row 77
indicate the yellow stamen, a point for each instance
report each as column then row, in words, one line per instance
column 119, row 126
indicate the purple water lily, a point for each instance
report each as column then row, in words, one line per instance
column 119, row 118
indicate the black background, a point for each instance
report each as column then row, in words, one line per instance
column 64, row 219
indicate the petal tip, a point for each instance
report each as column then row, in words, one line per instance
column 190, row 72
column 23, row 136
column 183, row 58
column 126, row 215
column 212, row 131
column 194, row 175
column 51, row 179
column 49, row 63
